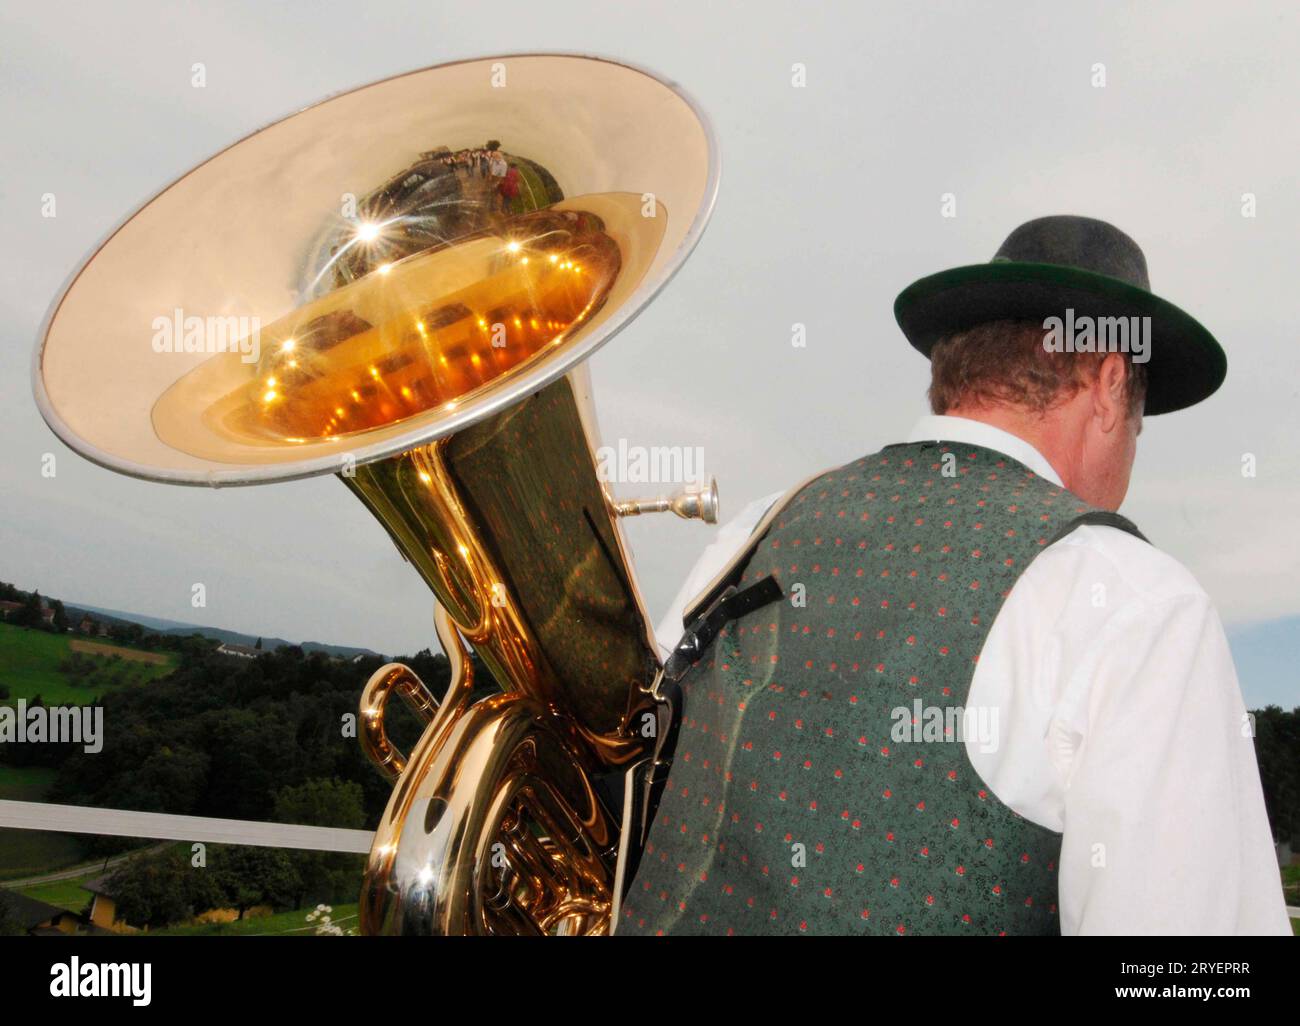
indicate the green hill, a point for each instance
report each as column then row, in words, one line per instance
column 115, row 617
column 67, row 669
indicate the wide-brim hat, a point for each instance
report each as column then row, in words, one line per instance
column 1053, row 264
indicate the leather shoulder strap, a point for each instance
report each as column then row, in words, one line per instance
column 728, row 574
column 1099, row 518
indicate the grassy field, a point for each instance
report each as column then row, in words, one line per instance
column 67, row 894
column 32, row 852
column 63, row 669
column 292, row 924
column 102, row 648
column 71, row 895
column 67, row 670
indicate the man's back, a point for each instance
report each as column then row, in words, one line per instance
column 790, row 780
column 819, row 783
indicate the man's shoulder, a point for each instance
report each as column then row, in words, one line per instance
column 1110, row 555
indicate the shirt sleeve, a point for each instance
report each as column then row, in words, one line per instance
column 1165, row 830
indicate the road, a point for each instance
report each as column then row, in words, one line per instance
column 83, row 870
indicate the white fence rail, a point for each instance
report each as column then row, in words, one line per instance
column 80, row 819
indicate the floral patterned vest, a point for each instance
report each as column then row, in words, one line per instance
column 806, row 794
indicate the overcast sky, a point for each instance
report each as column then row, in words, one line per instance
column 830, row 204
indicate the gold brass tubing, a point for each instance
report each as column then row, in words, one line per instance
column 573, row 908
column 509, row 525
column 475, row 620
column 453, row 647
column 381, row 752
column 396, row 677
column 488, row 611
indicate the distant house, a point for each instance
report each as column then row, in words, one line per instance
column 8, row 609
column 38, row 919
column 242, row 651
column 91, row 627
column 103, row 909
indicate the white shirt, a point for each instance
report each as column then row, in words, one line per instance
column 1120, row 724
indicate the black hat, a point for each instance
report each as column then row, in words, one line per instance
column 1052, row 264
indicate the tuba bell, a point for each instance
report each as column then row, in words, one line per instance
column 401, row 285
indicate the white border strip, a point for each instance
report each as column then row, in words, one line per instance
column 80, row 819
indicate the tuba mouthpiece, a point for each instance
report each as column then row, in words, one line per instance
column 694, row 502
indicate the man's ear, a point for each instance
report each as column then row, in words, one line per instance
column 1110, row 394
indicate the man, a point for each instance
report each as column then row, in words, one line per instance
column 497, row 165
column 981, row 702
column 509, row 188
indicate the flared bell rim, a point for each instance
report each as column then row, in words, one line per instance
column 418, row 433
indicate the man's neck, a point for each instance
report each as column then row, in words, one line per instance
column 1041, row 430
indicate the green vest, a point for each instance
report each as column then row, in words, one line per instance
column 806, row 794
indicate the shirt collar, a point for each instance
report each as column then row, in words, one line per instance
column 976, row 432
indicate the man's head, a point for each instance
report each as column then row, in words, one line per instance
column 1082, row 411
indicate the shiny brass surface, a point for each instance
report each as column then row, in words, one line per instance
column 511, row 528
column 495, row 826
column 322, row 199
column 400, row 285
column 419, row 339
column 374, row 697
column 493, row 829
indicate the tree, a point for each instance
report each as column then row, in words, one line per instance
column 1277, row 747
column 60, row 616
column 251, row 752
column 30, row 614
column 249, row 876
column 168, row 780
column 128, row 633
column 160, row 889
column 219, row 737
column 324, row 876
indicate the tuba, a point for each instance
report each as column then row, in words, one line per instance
column 401, row 285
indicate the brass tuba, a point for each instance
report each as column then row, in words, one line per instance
column 400, row 285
